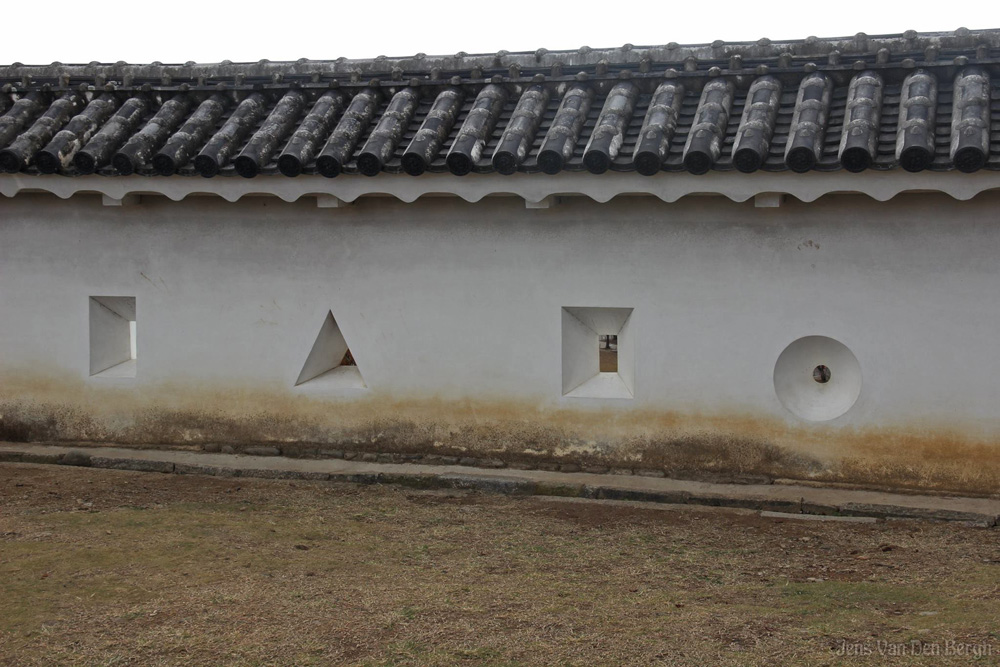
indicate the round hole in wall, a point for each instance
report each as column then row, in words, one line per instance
column 821, row 374
column 805, row 383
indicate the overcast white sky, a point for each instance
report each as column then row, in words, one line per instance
column 180, row 30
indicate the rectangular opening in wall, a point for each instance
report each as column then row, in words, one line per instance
column 112, row 336
column 611, row 372
column 607, row 353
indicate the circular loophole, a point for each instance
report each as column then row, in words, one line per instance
column 806, row 386
column 821, row 374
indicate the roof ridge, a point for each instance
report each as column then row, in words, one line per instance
column 859, row 44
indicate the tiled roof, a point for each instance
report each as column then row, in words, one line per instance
column 913, row 101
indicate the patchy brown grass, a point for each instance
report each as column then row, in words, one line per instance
column 117, row 568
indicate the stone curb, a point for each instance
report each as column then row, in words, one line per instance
column 817, row 517
column 131, row 464
column 897, row 512
column 515, row 486
column 319, row 453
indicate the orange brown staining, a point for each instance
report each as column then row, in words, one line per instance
column 688, row 444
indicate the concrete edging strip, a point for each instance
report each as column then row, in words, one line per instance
column 805, row 502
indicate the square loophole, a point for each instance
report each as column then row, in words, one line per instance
column 610, row 373
column 112, row 336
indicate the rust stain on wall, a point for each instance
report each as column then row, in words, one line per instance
column 56, row 408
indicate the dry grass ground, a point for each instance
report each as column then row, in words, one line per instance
column 115, row 568
column 608, row 361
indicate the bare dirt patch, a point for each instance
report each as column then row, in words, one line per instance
column 111, row 567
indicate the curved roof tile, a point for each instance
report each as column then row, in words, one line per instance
column 753, row 138
column 915, row 131
column 970, row 120
column 859, row 136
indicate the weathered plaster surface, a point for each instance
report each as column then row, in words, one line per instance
column 453, row 312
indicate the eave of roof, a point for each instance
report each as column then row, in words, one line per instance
column 536, row 192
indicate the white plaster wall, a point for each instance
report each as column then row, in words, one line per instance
column 442, row 297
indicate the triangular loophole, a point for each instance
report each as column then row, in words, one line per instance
column 330, row 361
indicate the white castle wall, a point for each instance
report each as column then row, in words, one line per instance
column 452, row 301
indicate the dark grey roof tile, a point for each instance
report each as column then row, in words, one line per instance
column 808, row 128
column 519, row 134
column 859, row 141
column 59, row 152
column 183, row 144
column 139, row 150
column 609, row 134
column 760, row 112
column 20, row 114
column 311, row 134
column 425, row 145
column 658, row 127
column 22, row 150
column 382, row 142
column 279, row 124
column 224, row 143
column 970, row 121
column 704, row 143
column 339, row 150
column 477, row 128
column 564, row 132
column 915, row 130
column 115, row 132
